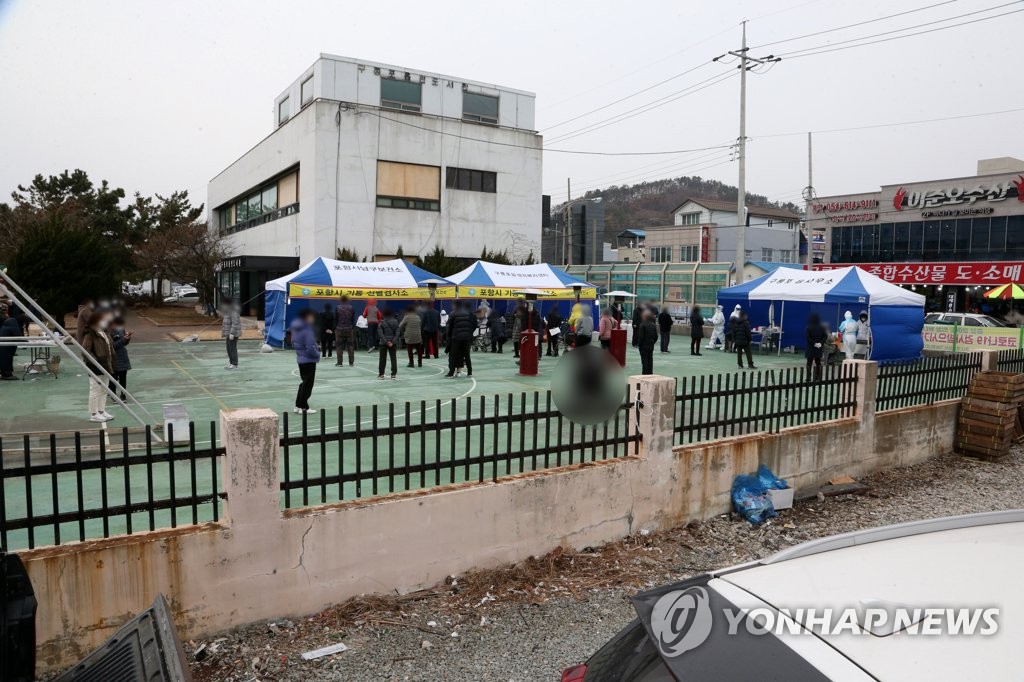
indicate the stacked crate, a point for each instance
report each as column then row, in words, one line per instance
column 991, row 415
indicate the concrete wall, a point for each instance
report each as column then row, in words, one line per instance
column 261, row 563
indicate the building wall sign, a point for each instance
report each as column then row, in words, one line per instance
column 967, row 273
column 958, row 195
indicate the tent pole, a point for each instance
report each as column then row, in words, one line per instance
column 782, row 322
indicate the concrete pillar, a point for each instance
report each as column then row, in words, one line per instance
column 867, row 389
column 989, row 360
column 655, row 396
column 251, row 471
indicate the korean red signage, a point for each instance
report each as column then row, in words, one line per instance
column 961, row 199
column 981, row 272
column 705, row 244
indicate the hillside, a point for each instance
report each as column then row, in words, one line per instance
column 648, row 204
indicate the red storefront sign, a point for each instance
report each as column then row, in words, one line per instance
column 705, row 244
column 981, row 272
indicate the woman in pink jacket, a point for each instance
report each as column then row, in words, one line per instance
column 605, row 327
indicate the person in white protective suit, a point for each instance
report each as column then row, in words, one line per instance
column 717, row 339
column 849, row 328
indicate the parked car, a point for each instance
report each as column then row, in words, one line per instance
column 184, row 295
column 964, row 319
column 962, row 561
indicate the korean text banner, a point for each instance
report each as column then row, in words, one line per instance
column 586, row 293
column 296, row 290
column 981, row 272
column 958, row 339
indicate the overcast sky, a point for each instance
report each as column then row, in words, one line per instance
column 158, row 96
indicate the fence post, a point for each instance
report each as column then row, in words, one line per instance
column 867, row 390
column 989, row 360
column 251, row 472
column 656, row 406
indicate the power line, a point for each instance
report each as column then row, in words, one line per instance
column 859, row 23
column 893, row 125
column 666, row 173
column 654, row 167
column 831, row 47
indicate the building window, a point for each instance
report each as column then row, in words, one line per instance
column 660, row 254
column 689, row 254
column 689, row 218
column 270, row 201
column 767, row 254
column 408, row 185
column 472, row 180
column 786, row 256
column 306, row 91
column 401, row 95
column 282, row 111
column 480, row 108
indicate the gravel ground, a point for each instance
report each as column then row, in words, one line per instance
column 527, row 623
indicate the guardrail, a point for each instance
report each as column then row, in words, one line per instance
column 925, row 380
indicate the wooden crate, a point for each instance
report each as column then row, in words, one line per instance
column 991, row 415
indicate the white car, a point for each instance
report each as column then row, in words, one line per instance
column 964, row 320
column 764, row 620
column 184, row 295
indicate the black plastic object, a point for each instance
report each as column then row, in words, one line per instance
column 146, row 649
column 17, row 621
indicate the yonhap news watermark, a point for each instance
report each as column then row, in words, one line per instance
column 681, row 620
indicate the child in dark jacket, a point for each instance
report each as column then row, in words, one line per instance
column 119, row 339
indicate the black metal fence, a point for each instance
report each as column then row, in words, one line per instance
column 923, row 381
column 1011, row 361
column 723, row 405
column 103, row 484
column 398, row 447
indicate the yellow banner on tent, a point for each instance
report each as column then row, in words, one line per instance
column 509, row 292
column 296, row 290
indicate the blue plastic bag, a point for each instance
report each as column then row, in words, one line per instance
column 770, row 481
column 750, row 499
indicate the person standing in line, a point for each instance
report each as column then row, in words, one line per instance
column 230, row 330
column 431, row 326
column 554, row 325
column 585, row 326
column 518, row 325
column 326, row 324
column 443, row 333
column 863, row 335
column 646, row 335
column 496, row 329
column 742, row 337
column 733, row 317
column 388, row 344
column 460, row 338
column 411, row 331
column 362, row 332
column 616, row 312
column 307, row 354
column 344, row 328
column 696, row 330
column 718, row 334
column 85, row 310
column 815, row 337
column 373, row 319
column 638, row 317
column 9, row 327
column 849, row 328
column 665, row 323
column 606, row 324
column 119, row 339
column 99, row 356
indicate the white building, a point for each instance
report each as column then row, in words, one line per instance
column 376, row 158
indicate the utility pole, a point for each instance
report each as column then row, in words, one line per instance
column 809, row 195
column 566, row 238
column 741, row 199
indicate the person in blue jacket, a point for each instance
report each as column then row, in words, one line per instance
column 307, row 354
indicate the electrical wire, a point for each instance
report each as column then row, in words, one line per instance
column 859, row 23
column 891, row 125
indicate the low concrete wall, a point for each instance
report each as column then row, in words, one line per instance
column 261, row 563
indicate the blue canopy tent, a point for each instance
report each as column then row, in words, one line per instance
column 394, row 283
column 494, row 282
column 787, row 297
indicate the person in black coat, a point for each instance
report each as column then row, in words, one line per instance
column 431, row 323
column 325, row 324
column 665, row 323
column 9, row 327
column 461, row 325
column 742, row 338
column 815, row 336
column 646, row 335
column 496, row 330
column 554, row 321
column 696, row 330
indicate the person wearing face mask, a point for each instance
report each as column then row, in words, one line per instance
column 849, row 328
column 99, row 355
column 863, row 335
column 230, row 330
column 119, row 339
column 717, row 339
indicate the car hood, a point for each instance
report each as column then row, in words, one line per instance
column 974, row 567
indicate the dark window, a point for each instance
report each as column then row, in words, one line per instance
column 931, row 239
column 282, row 111
column 856, row 253
column 870, row 243
column 997, row 238
column 306, row 91
column 979, row 237
column 415, row 204
column 886, row 238
column 472, row 180
column 399, row 94
column 963, row 236
column 481, row 108
column 901, row 241
column 1015, row 236
column 916, row 241
column 972, row 322
column 947, row 237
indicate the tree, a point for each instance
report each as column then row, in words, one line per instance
column 195, row 251
column 500, row 257
column 440, row 263
column 60, row 262
column 349, row 255
column 164, row 236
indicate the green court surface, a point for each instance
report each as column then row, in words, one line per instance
column 193, row 374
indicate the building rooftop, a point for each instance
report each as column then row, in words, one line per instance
column 730, row 207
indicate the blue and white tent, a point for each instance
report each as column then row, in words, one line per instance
column 788, row 296
column 496, row 282
column 322, row 281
